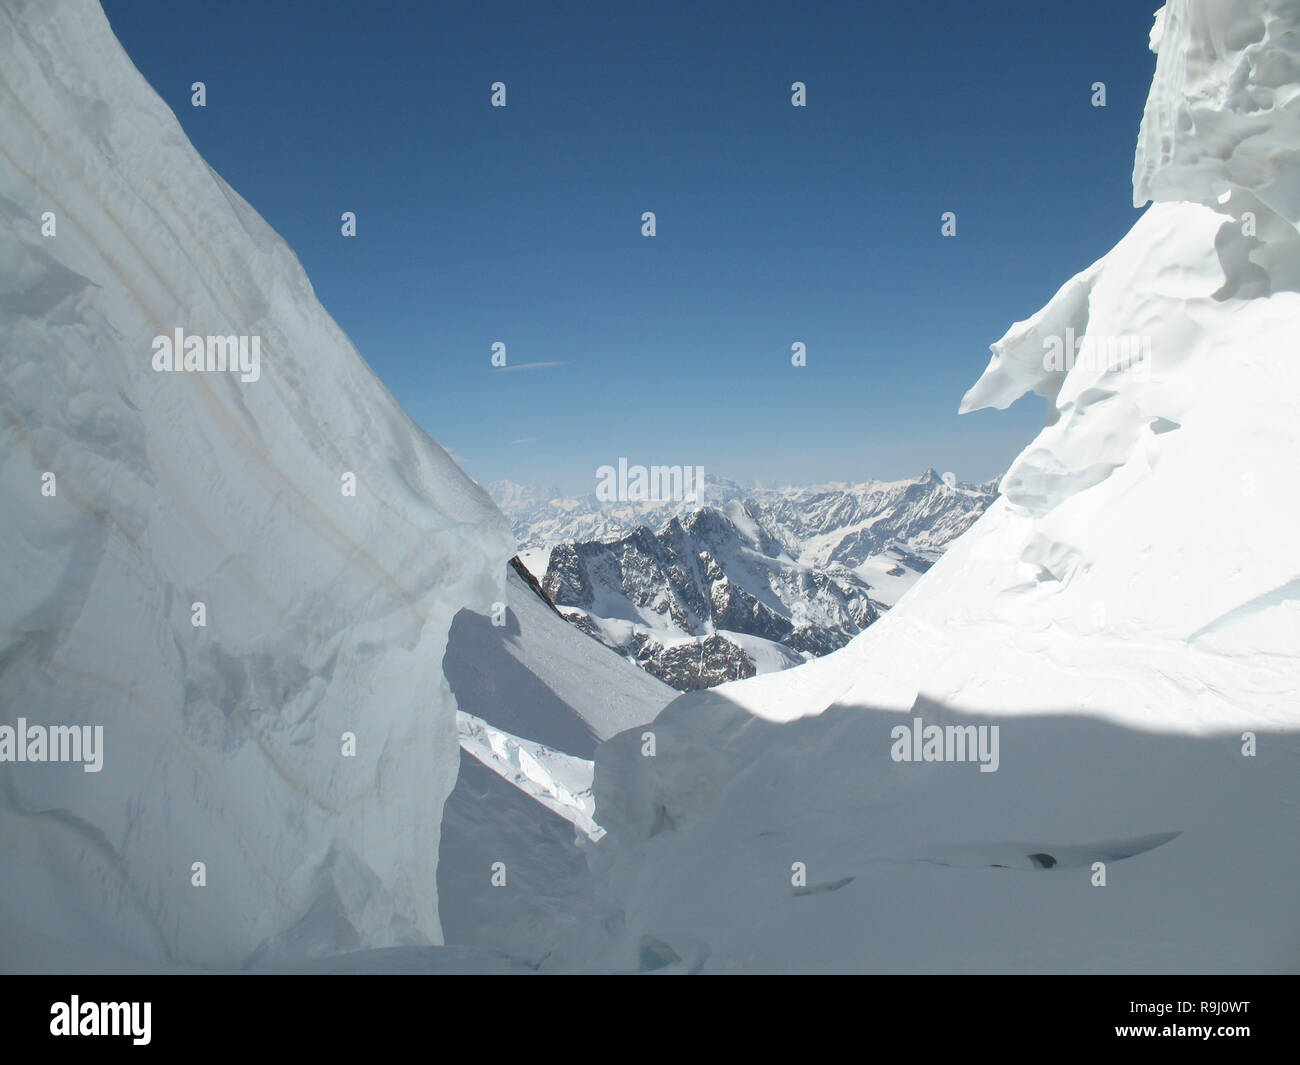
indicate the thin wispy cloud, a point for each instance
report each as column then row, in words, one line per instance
column 528, row 366
column 526, row 440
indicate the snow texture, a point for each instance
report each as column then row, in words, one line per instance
column 536, row 697
column 325, row 613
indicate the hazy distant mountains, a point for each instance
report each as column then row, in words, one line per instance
column 753, row 581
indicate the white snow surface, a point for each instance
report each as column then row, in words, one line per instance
column 536, row 695
column 559, row 781
column 540, row 677
column 1127, row 612
column 325, row 613
column 891, row 574
column 1224, row 107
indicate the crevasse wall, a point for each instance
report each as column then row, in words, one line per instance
column 325, row 613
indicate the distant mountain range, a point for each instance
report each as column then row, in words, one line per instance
column 753, row 581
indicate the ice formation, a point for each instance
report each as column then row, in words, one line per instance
column 133, row 495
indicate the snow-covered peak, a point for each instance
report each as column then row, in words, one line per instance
column 841, row 521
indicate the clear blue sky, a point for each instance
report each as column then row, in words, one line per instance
column 775, row 224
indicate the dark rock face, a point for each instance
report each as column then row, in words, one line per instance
column 705, row 579
column 757, row 582
column 532, row 582
column 699, row 664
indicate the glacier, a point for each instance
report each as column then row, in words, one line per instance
column 324, row 613
column 268, row 589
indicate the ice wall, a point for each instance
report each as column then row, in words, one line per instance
column 324, row 612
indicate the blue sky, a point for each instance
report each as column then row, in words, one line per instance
column 775, row 224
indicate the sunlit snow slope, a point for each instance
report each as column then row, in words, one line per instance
column 325, row 613
column 1128, row 611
